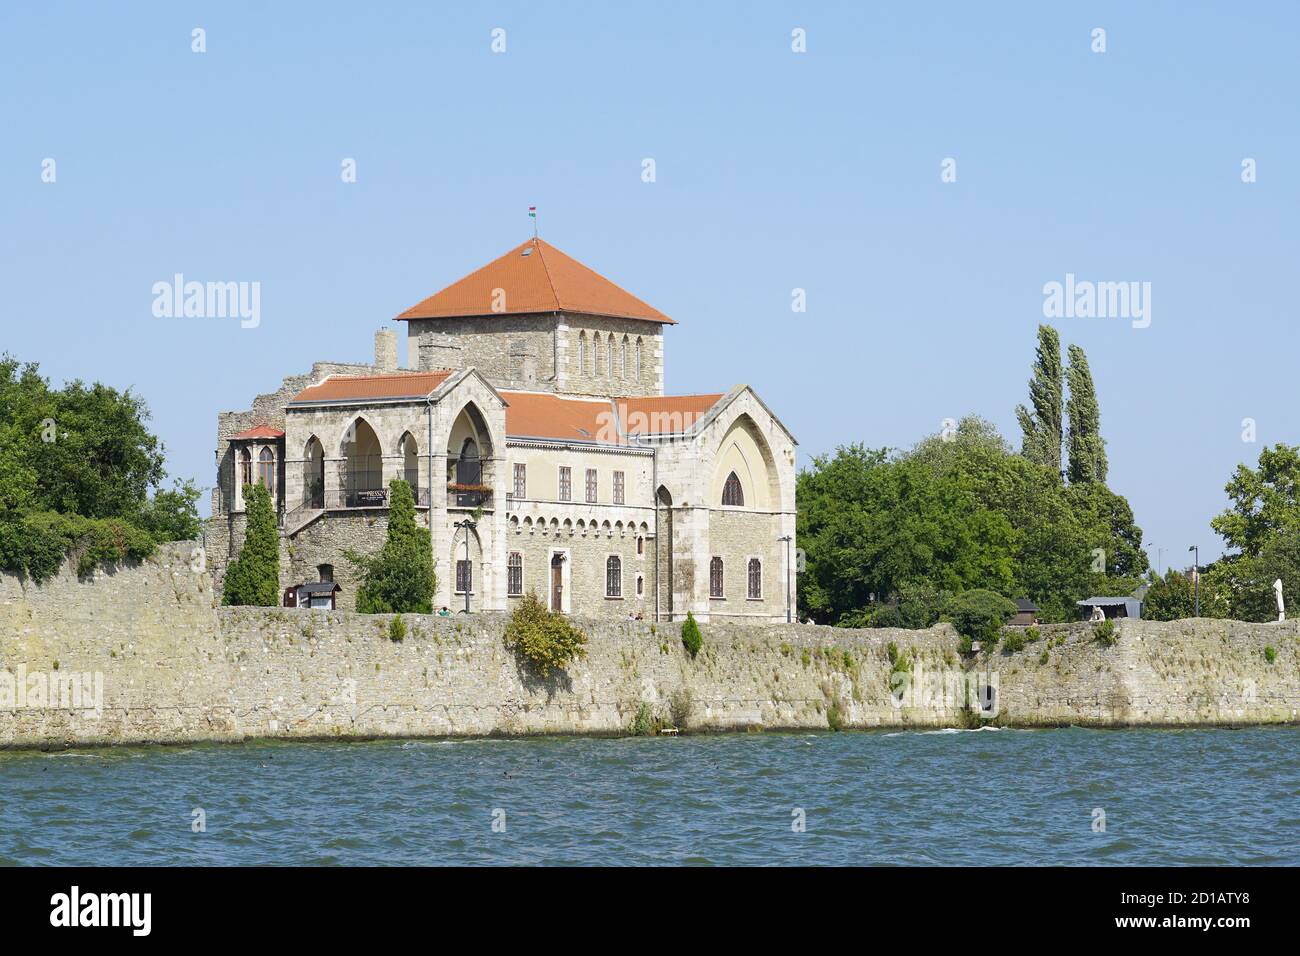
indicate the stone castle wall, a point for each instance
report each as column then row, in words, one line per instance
column 174, row 668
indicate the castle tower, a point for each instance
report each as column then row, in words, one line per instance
column 539, row 320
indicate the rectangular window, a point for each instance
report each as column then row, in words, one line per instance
column 464, row 577
column 566, row 483
column 613, row 577
column 591, row 485
column 515, row 574
column 715, row 578
column 618, row 487
column 755, row 591
column 521, row 481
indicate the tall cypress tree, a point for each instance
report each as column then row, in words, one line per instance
column 1042, row 427
column 400, row 577
column 1087, row 459
column 254, row 577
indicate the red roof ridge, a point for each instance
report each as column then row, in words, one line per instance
column 557, row 283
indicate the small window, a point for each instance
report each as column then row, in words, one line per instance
column 715, row 578
column 566, row 483
column 245, row 467
column 609, row 356
column 622, row 358
column 326, row 572
column 640, row 546
column 613, row 577
column 640, row 585
column 618, row 487
column 755, row 578
column 732, row 493
column 582, row 353
column 464, row 577
column 521, row 480
column 515, row 574
column 637, row 375
column 591, row 485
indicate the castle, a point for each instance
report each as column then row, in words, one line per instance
column 543, row 454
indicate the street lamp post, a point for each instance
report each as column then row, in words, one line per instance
column 1196, row 576
column 467, row 525
column 787, row 539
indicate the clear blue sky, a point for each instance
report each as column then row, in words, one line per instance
column 775, row 170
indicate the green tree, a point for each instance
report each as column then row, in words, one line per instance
column 1087, row 457
column 979, row 614
column 172, row 515
column 76, row 467
column 957, row 512
column 1169, row 598
column 1041, row 426
column 692, row 639
column 254, row 577
column 400, row 578
column 1265, row 501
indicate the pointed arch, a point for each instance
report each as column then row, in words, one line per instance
column 582, row 352
column 745, row 452
column 313, row 473
column 362, row 463
column 409, row 449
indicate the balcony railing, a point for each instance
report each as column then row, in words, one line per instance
column 468, row 496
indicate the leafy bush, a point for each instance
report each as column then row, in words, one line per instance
column 37, row 544
column 979, row 614
column 400, row 577
column 692, row 639
column 1013, row 640
column 254, row 577
column 1042, row 658
column 834, row 716
column 1270, row 653
column 1104, row 632
column 1032, row 634
column 546, row 639
column 644, row 723
column 397, row 629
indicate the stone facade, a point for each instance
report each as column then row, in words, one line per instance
column 172, row 668
column 658, row 477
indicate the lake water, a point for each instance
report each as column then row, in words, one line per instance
column 943, row 797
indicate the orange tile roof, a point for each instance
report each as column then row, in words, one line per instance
column 544, row 280
column 663, row 414
column 533, row 415
column 260, row 430
column 339, row 388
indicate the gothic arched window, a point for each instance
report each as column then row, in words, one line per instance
column 245, row 467
column 732, row 493
column 582, row 353
column 715, row 578
column 266, row 469
column 755, row 578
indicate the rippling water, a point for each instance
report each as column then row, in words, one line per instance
column 941, row 797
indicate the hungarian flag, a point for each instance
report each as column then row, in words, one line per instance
column 532, row 212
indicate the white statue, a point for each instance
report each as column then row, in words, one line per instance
column 1097, row 613
column 1281, row 607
